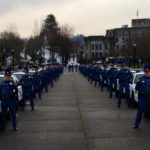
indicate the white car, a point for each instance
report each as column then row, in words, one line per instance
column 15, row 79
column 133, row 94
column 19, row 74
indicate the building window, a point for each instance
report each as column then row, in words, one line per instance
column 96, row 54
column 96, row 46
column 143, row 32
column 92, row 54
column 100, row 47
column 123, row 39
column 123, row 33
column 100, row 54
column 123, row 47
column 106, row 47
column 129, row 33
column 117, row 47
column 117, row 40
column 92, row 46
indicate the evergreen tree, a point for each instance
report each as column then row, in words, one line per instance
column 50, row 31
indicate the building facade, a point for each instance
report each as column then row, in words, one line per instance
column 128, row 34
column 96, row 46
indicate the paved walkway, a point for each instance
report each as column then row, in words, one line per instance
column 76, row 116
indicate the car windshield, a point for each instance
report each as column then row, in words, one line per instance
column 137, row 77
column 31, row 73
column 19, row 76
column 3, row 78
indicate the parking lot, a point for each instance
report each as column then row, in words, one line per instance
column 75, row 115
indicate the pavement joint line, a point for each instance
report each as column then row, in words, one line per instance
column 81, row 118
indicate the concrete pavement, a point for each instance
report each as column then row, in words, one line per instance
column 76, row 116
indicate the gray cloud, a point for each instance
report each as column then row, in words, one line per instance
column 86, row 16
column 8, row 5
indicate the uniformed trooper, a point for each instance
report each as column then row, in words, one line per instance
column 104, row 75
column 69, row 68
column 9, row 93
column 98, row 71
column 112, row 75
column 124, row 77
column 143, row 90
column 44, row 79
column 94, row 75
column 27, row 83
column 76, row 67
column 50, row 75
column 37, row 83
column 72, row 68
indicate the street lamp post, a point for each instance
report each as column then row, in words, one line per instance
column 12, row 51
column 134, row 54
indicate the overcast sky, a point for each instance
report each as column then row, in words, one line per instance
column 88, row 17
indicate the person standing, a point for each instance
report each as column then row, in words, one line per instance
column 143, row 90
column 44, row 79
column 112, row 75
column 72, row 68
column 27, row 83
column 76, row 67
column 69, row 67
column 98, row 71
column 125, row 77
column 9, row 92
column 37, row 83
column 49, row 71
column 104, row 75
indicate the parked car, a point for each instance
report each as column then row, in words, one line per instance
column 19, row 74
column 31, row 72
column 133, row 94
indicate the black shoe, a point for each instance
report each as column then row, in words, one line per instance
column 135, row 127
column 15, row 129
column 32, row 109
column 110, row 96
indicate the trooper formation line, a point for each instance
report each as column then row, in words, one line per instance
column 117, row 80
column 31, row 85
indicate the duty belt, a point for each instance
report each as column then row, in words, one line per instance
column 112, row 78
column 123, row 81
column 4, row 97
column 144, row 95
column 27, row 86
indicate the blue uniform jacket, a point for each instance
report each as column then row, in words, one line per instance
column 36, row 78
column 143, row 85
column 113, row 73
column 104, row 74
column 26, row 81
column 8, row 88
column 125, row 75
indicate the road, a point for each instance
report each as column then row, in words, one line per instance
column 75, row 115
